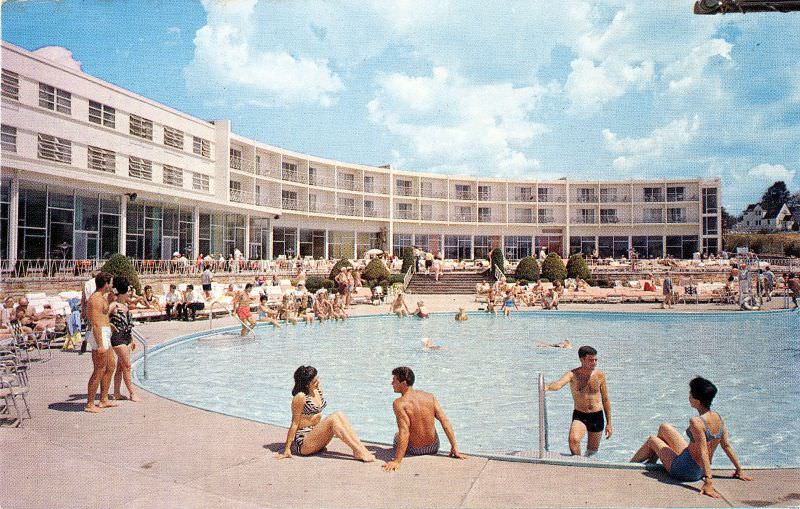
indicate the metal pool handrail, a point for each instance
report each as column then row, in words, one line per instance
column 543, row 427
column 138, row 337
column 230, row 313
column 407, row 278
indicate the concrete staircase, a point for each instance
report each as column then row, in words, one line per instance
column 449, row 282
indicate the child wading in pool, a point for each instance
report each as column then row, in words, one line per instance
column 591, row 399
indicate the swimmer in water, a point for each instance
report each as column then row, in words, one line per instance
column 421, row 312
column 427, row 344
column 461, row 316
column 566, row 344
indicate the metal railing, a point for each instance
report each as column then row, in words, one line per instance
column 138, row 337
column 498, row 273
column 544, row 444
column 407, row 278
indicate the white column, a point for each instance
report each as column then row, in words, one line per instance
column 297, row 242
column 123, row 225
column 355, row 245
column 13, row 219
column 270, row 253
column 390, row 240
column 247, row 236
column 327, row 249
column 472, row 247
column 196, row 232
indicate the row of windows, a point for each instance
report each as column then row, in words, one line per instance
column 56, row 99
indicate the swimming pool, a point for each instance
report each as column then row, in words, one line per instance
column 486, row 376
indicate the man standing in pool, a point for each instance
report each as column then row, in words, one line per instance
column 590, row 394
column 415, row 411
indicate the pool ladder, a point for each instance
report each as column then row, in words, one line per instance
column 138, row 337
column 543, row 426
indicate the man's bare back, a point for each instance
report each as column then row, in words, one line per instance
column 420, row 408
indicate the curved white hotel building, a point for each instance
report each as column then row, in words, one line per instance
column 90, row 169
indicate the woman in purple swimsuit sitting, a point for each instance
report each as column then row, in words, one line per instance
column 309, row 433
column 690, row 462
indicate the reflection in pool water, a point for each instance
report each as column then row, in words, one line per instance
column 486, row 376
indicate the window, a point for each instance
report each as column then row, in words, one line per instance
column 652, row 216
column 586, row 216
column 583, row 245
column 312, row 176
column 682, row 246
column 289, row 172
column 404, row 187
column 676, row 193
column 401, row 240
column 484, row 193
column 523, row 194
column 710, row 225
column 141, row 127
column 517, row 247
column 347, row 181
column 463, row 213
column 236, row 158
column 10, row 84
column 405, row 211
column 173, row 137
column 608, row 195
column 464, row 192
column 347, row 206
column 173, row 176
column 200, row 182
column 369, row 184
column 236, row 190
column 312, row 202
column 55, row 99
column 458, row 247
column 102, row 160
column 101, row 114
column 609, row 216
column 523, row 215
column 201, row 147
column 369, row 208
column 140, row 168
column 546, row 216
column 289, row 199
column 652, row 194
column 648, row 247
column 55, row 149
column 484, row 215
column 676, row 215
column 586, row 195
column 709, row 200
column 544, row 194
column 9, row 138
column 427, row 189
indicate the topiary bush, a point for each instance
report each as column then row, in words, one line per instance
column 376, row 271
column 497, row 260
column 577, row 267
column 553, row 268
column 314, row 283
column 397, row 278
column 408, row 259
column 120, row 265
column 528, row 268
column 328, row 284
column 338, row 267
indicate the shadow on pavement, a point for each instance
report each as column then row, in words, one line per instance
column 663, row 477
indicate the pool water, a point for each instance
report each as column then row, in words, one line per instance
column 485, row 378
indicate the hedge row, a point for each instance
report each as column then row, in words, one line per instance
column 787, row 244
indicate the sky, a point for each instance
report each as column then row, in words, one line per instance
column 612, row 89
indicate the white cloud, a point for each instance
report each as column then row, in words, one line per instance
column 173, row 30
column 224, row 58
column 451, row 123
column 59, row 55
column 637, row 151
column 687, row 72
column 589, row 86
column 772, row 173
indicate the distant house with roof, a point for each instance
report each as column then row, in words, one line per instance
column 757, row 218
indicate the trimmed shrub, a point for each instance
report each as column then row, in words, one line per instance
column 314, row 283
column 338, row 267
column 497, row 260
column 510, row 280
column 397, row 278
column 408, row 259
column 120, row 265
column 376, row 271
column 544, row 280
column 553, row 268
column 603, row 283
column 577, row 268
column 328, row 284
column 527, row 268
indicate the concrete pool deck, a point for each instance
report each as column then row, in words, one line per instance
column 158, row 453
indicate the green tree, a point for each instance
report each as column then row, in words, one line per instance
column 120, row 265
column 553, row 268
column 376, row 271
column 528, row 269
column 408, row 259
column 577, row 267
column 497, row 260
column 775, row 196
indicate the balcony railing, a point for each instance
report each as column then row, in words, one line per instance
column 615, row 198
column 485, row 196
column 347, row 210
column 681, row 198
column 288, row 203
column 404, row 191
column 550, row 198
column 586, row 199
column 523, row 219
column 464, row 196
column 653, row 199
column 546, row 219
column 584, row 220
column 649, row 219
column 524, row 197
column 293, row 176
column 485, row 218
column 405, row 214
column 370, row 213
column 463, row 218
column 609, row 219
column 433, row 193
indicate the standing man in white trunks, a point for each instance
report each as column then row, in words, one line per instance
column 591, row 399
column 98, row 337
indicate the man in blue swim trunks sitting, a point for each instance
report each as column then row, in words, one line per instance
column 415, row 411
column 591, row 399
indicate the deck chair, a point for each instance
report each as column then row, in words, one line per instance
column 10, row 389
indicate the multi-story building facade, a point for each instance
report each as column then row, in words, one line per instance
column 90, row 169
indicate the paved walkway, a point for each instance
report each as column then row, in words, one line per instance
column 158, row 453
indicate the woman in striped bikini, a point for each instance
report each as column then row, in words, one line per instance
column 309, row 433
